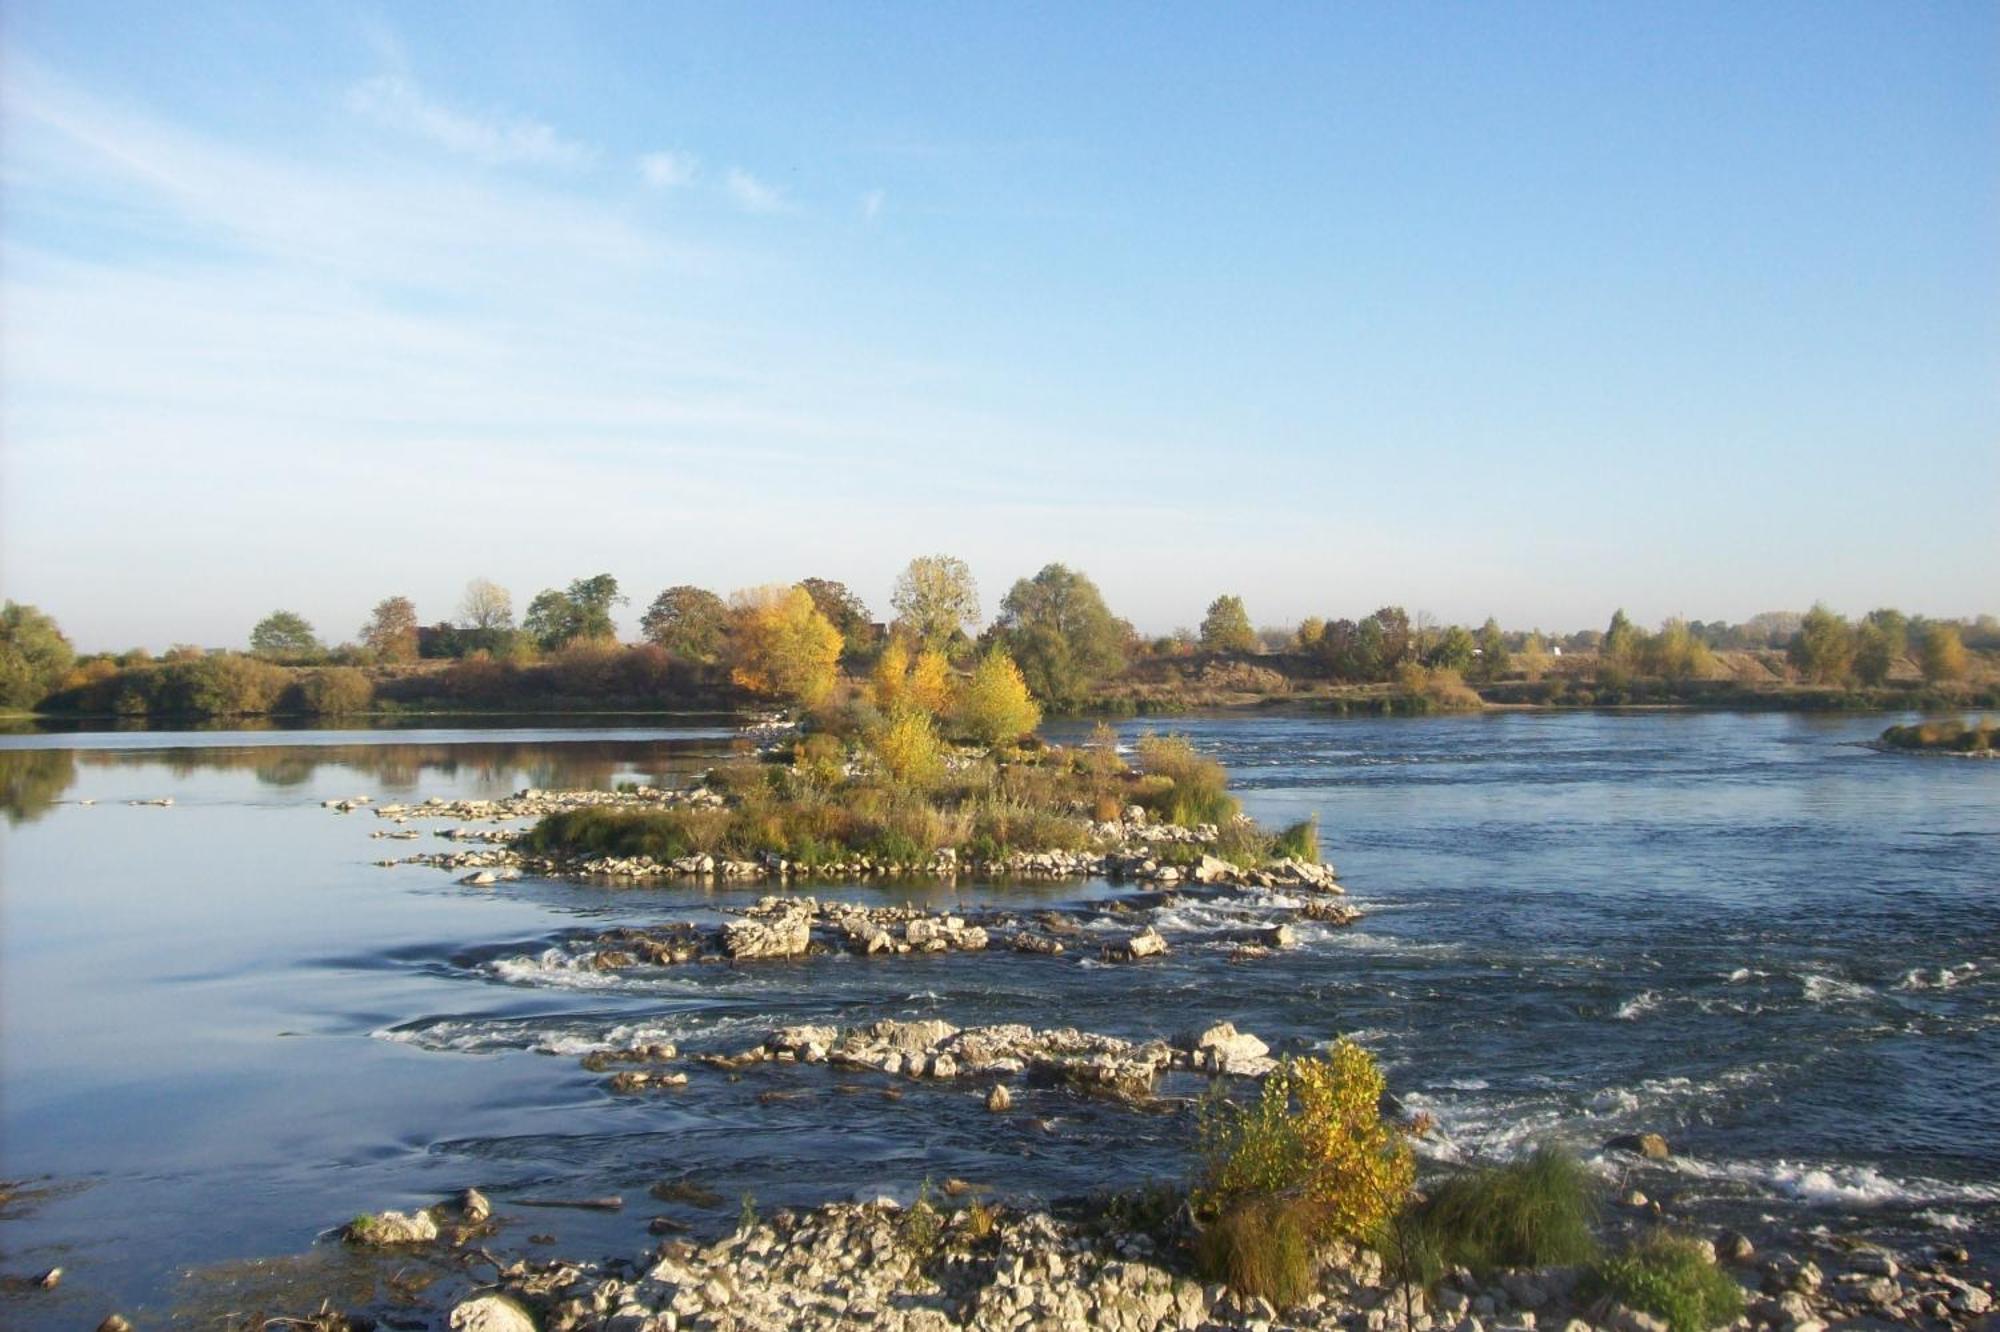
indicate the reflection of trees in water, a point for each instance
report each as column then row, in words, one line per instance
column 32, row 780
column 484, row 765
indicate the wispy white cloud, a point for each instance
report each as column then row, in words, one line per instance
column 871, row 204
column 395, row 102
column 669, row 169
column 753, row 195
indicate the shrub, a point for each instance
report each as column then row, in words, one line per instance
column 1949, row 736
column 1197, row 790
column 336, row 689
column 1300, row 841
column 1315, row 1135
column 996, row 705
column 1260, row 1248
column 909, row 748
column 1532, row 1213
column 598, row 831
column 1670, row 1278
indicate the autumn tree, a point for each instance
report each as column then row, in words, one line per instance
column 919, row 680
column 486, row 606
column 1620, row 647
column 1823, row 648
column 781, row 646
column 1676, row 654
column 34, row 655
column 1310, row 631
column 689, row 622
column 1226, row 627
column 995, row 705
column 284, row 633
column 391, row 631
column 935, row 598
column 1391, row 639
column 1454, row 649
column 1060, row 634
column 1874, row 652
column 844, row 611
column 1943, row 654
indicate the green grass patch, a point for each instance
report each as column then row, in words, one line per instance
column 1532, row 1213
column 1669, row 1278
column 1260, row 1247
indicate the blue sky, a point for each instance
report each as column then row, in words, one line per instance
column 1532, row 310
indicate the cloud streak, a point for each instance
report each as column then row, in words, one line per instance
column 669, row 169
column 753, row 195
column 395, row 102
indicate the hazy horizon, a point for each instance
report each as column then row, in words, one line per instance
column 1525, row 312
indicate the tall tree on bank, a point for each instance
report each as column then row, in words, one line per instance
column 689, row 622
column 1226, row 627
column 34, row 655
column 1493, row 659
column 1943, row 654
column 391, row 631
column 1060, row 633
column 844, row 611
column 557, row 619
column 284, row 634
column 487, row 607
column 1823, row 648
column 781, row 646
column 935, row 599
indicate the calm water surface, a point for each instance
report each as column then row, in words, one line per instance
column 225, row 1029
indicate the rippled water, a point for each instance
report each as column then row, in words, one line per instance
column 225, row 1029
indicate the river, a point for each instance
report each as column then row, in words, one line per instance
column 226, row 1029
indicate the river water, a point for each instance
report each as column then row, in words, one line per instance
column 226, row 1029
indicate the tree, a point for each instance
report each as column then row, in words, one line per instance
column 1493, row 659
column 995, row 706
column 487, row 607
column 1943, row 656
column 1341, row 649
column 1874, row 655
column 1823, row 648
column 919, row 683
column 844, row 611
column 1454, row 649
column 689, row 622
column 935, row 598
column 1620, row 647
column 1392, row 640
column 392, row 629
column 781, row 646
column 1675, row 653
column 34, row 655
column 1226, row 627
column 557, row 619
column 1894, row 626
column 284, row 633
column 1060, row 633
column 337, row 689
column 1310, row 631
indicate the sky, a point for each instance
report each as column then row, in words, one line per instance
column 1532, row 310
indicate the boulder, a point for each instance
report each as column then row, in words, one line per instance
column 1649, row 1145
column 472, row 1204
column 999, row 1099
column 784, row 935
column 491, row 1313
column 391, row 1228
column 1146, row 943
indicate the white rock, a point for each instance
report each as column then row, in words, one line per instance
column 491, row 1313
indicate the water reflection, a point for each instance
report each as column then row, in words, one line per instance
column 31, row 781
column 35, row 780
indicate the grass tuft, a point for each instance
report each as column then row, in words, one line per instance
column 1532, row 1213
column 1670, row 1278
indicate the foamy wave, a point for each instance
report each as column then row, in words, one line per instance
column 1838, row 1185
column 1638, row 1006
column 1949, row 1221
column 570, row 1037
column 1940, row 978
column 1820, row 989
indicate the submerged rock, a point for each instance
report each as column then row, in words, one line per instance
column 1649, row 1145
column 385, row 1229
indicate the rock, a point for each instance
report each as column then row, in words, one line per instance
column 1734, row 1247
column 1210, row 869
column 50, row 1279
column 1223, row 1049
column 1146, row 943
column 391, row 1228
column 1636, row 1199
column 491, row 1313
column 1279, row 936
column 1633, row 1320
column 786, row 934
column 115, row 1323
column 999, row 1099
column 1873, row 1262
column 1649, row 1145
column 483, row 879
column 474, row 1206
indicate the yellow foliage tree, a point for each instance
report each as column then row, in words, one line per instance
column 909, row 747
column 1315, row 1134
column 996, row 705
column 900, row 682
column 781, row 646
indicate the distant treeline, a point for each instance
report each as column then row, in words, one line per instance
column 801, row 643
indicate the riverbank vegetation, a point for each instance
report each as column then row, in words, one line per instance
column 804, row 644
column 1945, row 737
